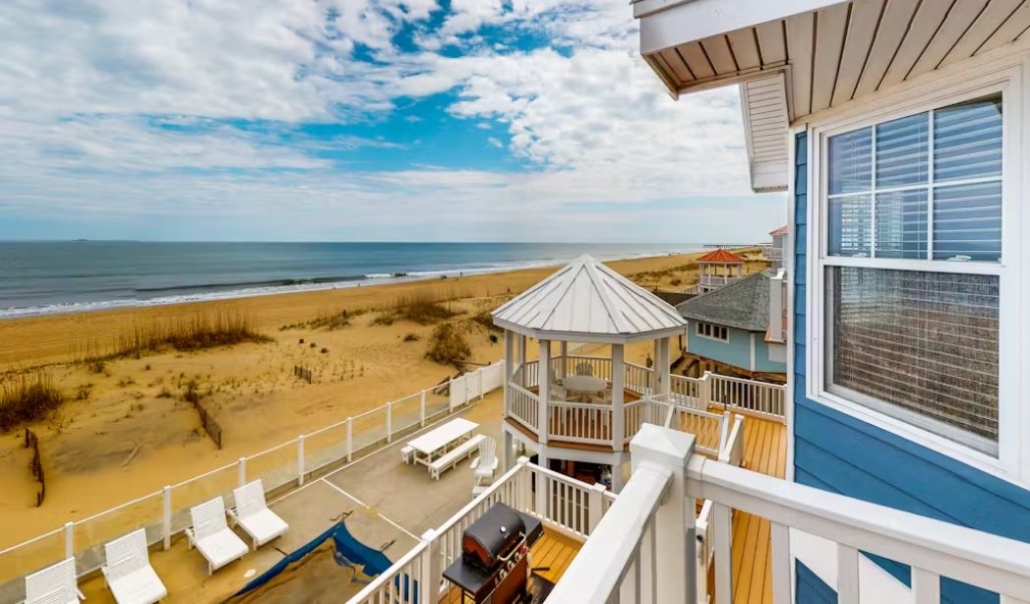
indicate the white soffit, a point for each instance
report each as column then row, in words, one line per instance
column 830, row 53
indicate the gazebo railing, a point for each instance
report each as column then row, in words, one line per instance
column 587, row 423
column 524, row 406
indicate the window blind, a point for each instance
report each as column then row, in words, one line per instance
column 920, row 346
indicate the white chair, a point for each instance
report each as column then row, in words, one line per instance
column 261, row 523
column 53, row 585
column 584, row 368
column 213, row 537
column 485, row 466
column 128, row 573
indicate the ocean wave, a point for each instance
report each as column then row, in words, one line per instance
column 226, row 291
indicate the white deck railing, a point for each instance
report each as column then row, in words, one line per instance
column 760, row 398
column 613, row 564
column 716, row 281
column 563, row 504
column 165, row 513
column 587, row 423
column 523, row 406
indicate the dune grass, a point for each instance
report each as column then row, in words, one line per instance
column 448, row 346
column 199, row 332
column 29, row 399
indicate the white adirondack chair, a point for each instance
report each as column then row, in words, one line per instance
column 261, row 523
column 53, row 585
column 213, row 537
column 128, row 573
column 485, row 466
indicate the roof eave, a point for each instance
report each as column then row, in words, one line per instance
column 592, row 338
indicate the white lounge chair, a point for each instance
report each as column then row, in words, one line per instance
column 213, row 537
column 261, row 523
column 452, row 457
column 53, row 585
column 485, row 466
column 128, row 573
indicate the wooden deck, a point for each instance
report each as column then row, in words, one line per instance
column 553, row 552
column 765, row 451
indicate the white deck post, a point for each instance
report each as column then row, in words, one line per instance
column 723, row 546
column 241, row 467
column 522, row 356
column 350, row 440
column 429, row 582
column 300, row 460
column 509, row 368
column 422, row 409
column 389, row 422
column 675, row 564
column 618, row 396
column 166, row 520
column 705, row 390
column 781, row 570
column 563, row 365
column 595, row 505
column 542, row 490
column 544, row 377
column 525, row 477
column 69, row 539
column 509, row 443
column 664, row 372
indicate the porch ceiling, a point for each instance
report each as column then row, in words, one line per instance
column 794, row 58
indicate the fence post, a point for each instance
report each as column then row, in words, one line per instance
column 69, row 539
column 724, row 435
column 595, row 508
column 522, row 483
column 706, row 390
column 166, row 519
column 429, row 582
column 389, row 422
column 350, row 439
column 481, row 382
column 300, row 460
column 242, row 468
column 422, row 411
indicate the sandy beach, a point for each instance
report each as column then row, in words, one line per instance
column 125, row 430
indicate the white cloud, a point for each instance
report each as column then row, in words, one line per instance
column 592, row 122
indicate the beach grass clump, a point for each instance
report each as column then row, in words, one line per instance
column 30, row 399
column 329, row 320
column 448, row 346
column 199, row 332
column 422, row 308
column 486, row 319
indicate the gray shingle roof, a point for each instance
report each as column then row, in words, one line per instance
column 743, row 304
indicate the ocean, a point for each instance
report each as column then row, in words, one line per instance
column 55, row 277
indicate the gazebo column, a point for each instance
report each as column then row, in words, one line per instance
column 544, row 391
column 618, row 397
column 522, row 359
column 509, row 370
column 564, row 356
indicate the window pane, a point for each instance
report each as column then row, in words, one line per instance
column 902, row 149
column 851, row 162
column 850, row 225
column 901, row 224
column 920, row 346
column 967, row 222
column 967, row 140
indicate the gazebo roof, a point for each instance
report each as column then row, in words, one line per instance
column 589, row 302
column 780, row 231
column 721, row 256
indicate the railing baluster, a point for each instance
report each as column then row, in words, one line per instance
column 847, row 574
column 926, row 586
column 722, row 526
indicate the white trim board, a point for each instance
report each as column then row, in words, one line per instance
column 952, row 85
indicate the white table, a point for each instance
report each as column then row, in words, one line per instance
column 584, row 385
column 438, row 441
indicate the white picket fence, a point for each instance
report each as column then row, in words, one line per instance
column 165, row 513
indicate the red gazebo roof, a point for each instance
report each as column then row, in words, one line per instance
column 721, row 256
column 780, row 231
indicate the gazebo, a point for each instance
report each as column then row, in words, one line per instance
column 575, row 407
column 719, row 268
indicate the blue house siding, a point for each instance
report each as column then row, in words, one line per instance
column 838, row 453
column 762, row 362
column 736, row 352
column 811, row 589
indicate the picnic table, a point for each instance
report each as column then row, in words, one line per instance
column 439, row 441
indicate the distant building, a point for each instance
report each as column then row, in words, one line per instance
column 730, row 332
column 717, row 268
column 775, row 251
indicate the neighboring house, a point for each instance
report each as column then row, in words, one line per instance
column 727, row 331
column 898, row 130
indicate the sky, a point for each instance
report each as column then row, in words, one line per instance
column 359, row 120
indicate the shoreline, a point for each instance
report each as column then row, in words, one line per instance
column 32, row 341
column 293, row 286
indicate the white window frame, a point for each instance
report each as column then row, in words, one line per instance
column 713, row 329
column 1007, row 77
